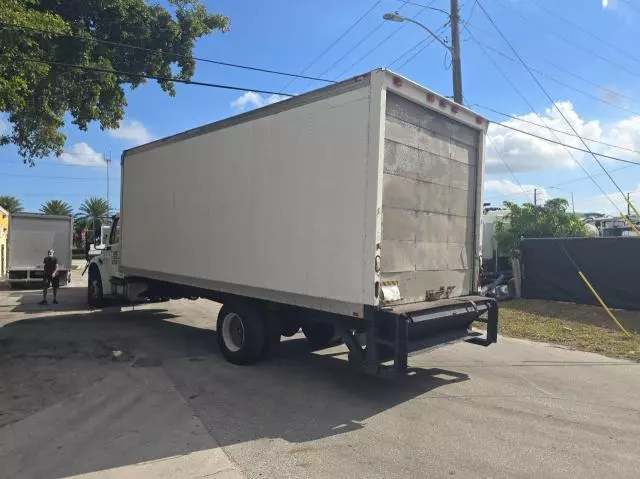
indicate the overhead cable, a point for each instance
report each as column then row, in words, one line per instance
column 163, row 53
column 558, row 109
column 150, row 77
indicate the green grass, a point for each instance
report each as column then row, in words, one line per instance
column 582, row 327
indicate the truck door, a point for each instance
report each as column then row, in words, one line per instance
column 111, row 253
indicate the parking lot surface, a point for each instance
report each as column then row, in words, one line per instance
column 143, row 392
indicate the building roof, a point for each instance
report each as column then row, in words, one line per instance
column 3, row 211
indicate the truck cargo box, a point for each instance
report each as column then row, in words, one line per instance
column 364, row 193
column 31, row 235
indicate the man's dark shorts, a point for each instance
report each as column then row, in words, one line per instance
column 53, row 282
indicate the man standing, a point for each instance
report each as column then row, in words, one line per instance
column 51, row 277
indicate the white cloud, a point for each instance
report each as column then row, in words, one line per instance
column 82, row 154
column 524, row 152
column 133, row 131
column 506, row 189
column 250, row 100
column 605, row 3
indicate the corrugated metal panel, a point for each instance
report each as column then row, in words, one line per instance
column 428, row 201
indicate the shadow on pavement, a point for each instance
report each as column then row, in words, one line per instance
column 296, row 397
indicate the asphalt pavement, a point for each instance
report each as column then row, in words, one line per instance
column 143, row 392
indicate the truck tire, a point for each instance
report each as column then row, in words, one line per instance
column 242, row 334
column 319, row 335
column 95, row 293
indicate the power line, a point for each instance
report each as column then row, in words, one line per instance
column 524, row 98
column 46, row 177
column 166, row 54
column 558, row 142
column 589, row 82
column 425, row 42
column 633, row 7
column 562, row 183
column 553, row 129
column 150, row 77
column 504, row 161
column 586, row 177
column 425, row 6
column 362, row 40
column 535, row 79
column 385, row 40
column 561, row 68
column 409, row 50
column 564, row 84
column 335, row 42
column 429, row 42
column 58, row 163
column 410, row 59
column 585, row 31
column 570, row 42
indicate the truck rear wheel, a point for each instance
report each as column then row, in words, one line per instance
column 94, row 289
column 319, row 335
column 241, row 334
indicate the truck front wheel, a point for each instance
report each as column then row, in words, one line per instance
column 94, row 288
column 241, row 334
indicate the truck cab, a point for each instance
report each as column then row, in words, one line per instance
column 104, row 278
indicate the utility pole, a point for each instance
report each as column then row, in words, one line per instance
column 108, row 161
column 454, row 48
column 535, row 197
column 455, row 52
column 573, row 205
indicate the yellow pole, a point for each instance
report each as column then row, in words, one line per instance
column 633, row 207
column 602, row 303
column 631, row 223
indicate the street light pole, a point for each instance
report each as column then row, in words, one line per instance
column 455, row 52
column 454, row 48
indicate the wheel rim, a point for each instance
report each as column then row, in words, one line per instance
column 233, row 332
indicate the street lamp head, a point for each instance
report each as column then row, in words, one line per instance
column 394, row 17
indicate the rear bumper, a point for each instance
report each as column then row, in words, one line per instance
column 33, row 277
column 392, row 334
column 450, row 318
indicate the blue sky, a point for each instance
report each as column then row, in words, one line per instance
column 286, row 35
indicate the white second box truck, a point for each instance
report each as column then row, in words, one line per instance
column 352, row 211
column 31, row 235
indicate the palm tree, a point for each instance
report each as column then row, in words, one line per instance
column 93, row 210
column 56, row 207
column 80, row 227
column 11, row 204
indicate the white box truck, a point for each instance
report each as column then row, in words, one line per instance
column 352, row 212
column 31, row 235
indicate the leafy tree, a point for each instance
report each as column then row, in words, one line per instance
column 92, row 211
column 80, row 227
column 56, row 207
column 528, row 221
column 37, row 94
column 11, row 203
